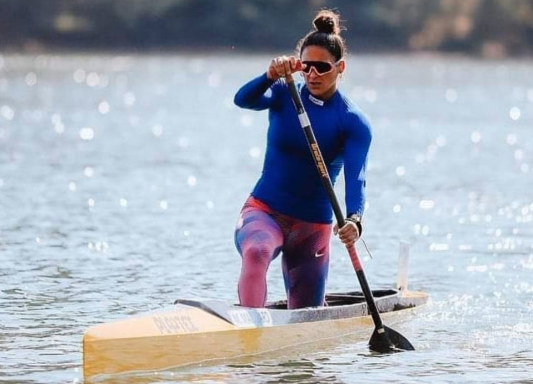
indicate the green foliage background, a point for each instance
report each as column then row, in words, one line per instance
column 483, row 27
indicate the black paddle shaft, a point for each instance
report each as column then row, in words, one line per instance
column 380, row 340
column 326, row 181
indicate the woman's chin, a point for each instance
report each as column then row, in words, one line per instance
column 316, row 91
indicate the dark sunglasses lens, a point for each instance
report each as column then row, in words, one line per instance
column 320, row 66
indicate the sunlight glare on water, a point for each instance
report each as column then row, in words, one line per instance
column 121, row 179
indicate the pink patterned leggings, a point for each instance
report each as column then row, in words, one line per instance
column 261, row 235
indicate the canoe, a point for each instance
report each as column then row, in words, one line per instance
column 196, row 331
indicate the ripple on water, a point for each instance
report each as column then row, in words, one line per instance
column 117, row 197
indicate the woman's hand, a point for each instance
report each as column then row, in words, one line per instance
column 348, row 234
column 283, row 66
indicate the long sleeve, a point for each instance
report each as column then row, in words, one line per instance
column 255, row 94
column 357, row 145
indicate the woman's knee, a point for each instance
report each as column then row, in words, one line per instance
column 259, row 253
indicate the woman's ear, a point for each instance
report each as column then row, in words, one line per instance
column 342, row 66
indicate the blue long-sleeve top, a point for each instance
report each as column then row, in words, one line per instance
column 289, row 182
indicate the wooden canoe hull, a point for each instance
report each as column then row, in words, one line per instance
column 199, row 332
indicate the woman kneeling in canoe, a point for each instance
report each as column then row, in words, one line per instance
column 289, row 211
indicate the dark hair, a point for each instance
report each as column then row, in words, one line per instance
column 326, row 34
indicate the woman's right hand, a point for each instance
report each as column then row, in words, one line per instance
column 283, row 66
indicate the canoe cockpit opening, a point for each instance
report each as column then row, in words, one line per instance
column 340, row 299
column 218, row 308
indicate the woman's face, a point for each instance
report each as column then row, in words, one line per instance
column 322, row 86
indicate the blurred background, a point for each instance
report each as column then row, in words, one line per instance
column 491, row 28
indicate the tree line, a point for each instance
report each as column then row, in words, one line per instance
column 491, row 28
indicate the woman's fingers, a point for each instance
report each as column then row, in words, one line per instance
column 298, row 65
column 271, row 72
column 349, row 233
column 289, row 63
column 283, row 66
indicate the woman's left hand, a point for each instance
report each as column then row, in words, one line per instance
column 348, row 234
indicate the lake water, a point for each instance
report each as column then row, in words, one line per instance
column 121, row 177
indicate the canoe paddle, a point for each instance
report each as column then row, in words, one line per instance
column 384, row 339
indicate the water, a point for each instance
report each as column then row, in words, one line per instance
column 121, row 178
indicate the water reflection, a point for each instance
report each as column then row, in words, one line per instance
column 121, row 178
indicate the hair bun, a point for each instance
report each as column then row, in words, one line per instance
column 327, row 22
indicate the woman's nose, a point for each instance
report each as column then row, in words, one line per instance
column 313, row 72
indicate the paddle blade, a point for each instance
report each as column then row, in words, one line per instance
column 389, row 341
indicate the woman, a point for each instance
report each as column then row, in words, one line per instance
column 289, row 211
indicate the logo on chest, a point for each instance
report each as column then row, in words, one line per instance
column 316, row 101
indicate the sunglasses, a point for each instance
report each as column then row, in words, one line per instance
column 321, row 67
